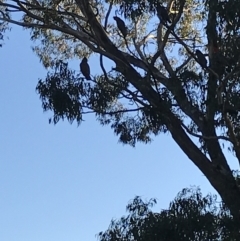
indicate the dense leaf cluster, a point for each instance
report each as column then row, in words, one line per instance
column 69, row 96
column 191, row 216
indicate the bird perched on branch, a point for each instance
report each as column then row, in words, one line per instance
column 201, row 58
column 121, row 26
column 85, row 69
column 163, row 14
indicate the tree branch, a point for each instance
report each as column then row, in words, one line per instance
column 205, row 137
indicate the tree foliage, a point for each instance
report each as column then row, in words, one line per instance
column 3, row 27
column 154, row 81
column 190, row 216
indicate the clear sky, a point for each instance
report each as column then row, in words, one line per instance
column 64, row 183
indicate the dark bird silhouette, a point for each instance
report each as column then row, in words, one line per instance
column 201, row 58
column 85, row 69
column 121, row 26
column 163, row 14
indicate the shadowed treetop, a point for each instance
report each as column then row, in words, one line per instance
column 190, row 216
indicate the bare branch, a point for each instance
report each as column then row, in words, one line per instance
column 114, row 112
column 107, row 15
column 205, row 137
column 183, row 64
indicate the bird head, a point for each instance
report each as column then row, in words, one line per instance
column 84, row 59
column 115, row 18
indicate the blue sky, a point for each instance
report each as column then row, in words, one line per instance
column 64, row 183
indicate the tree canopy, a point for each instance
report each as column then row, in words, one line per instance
column 176, row 70
column 190, row 216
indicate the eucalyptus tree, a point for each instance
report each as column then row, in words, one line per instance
column 190, row 216
column 155, row 80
